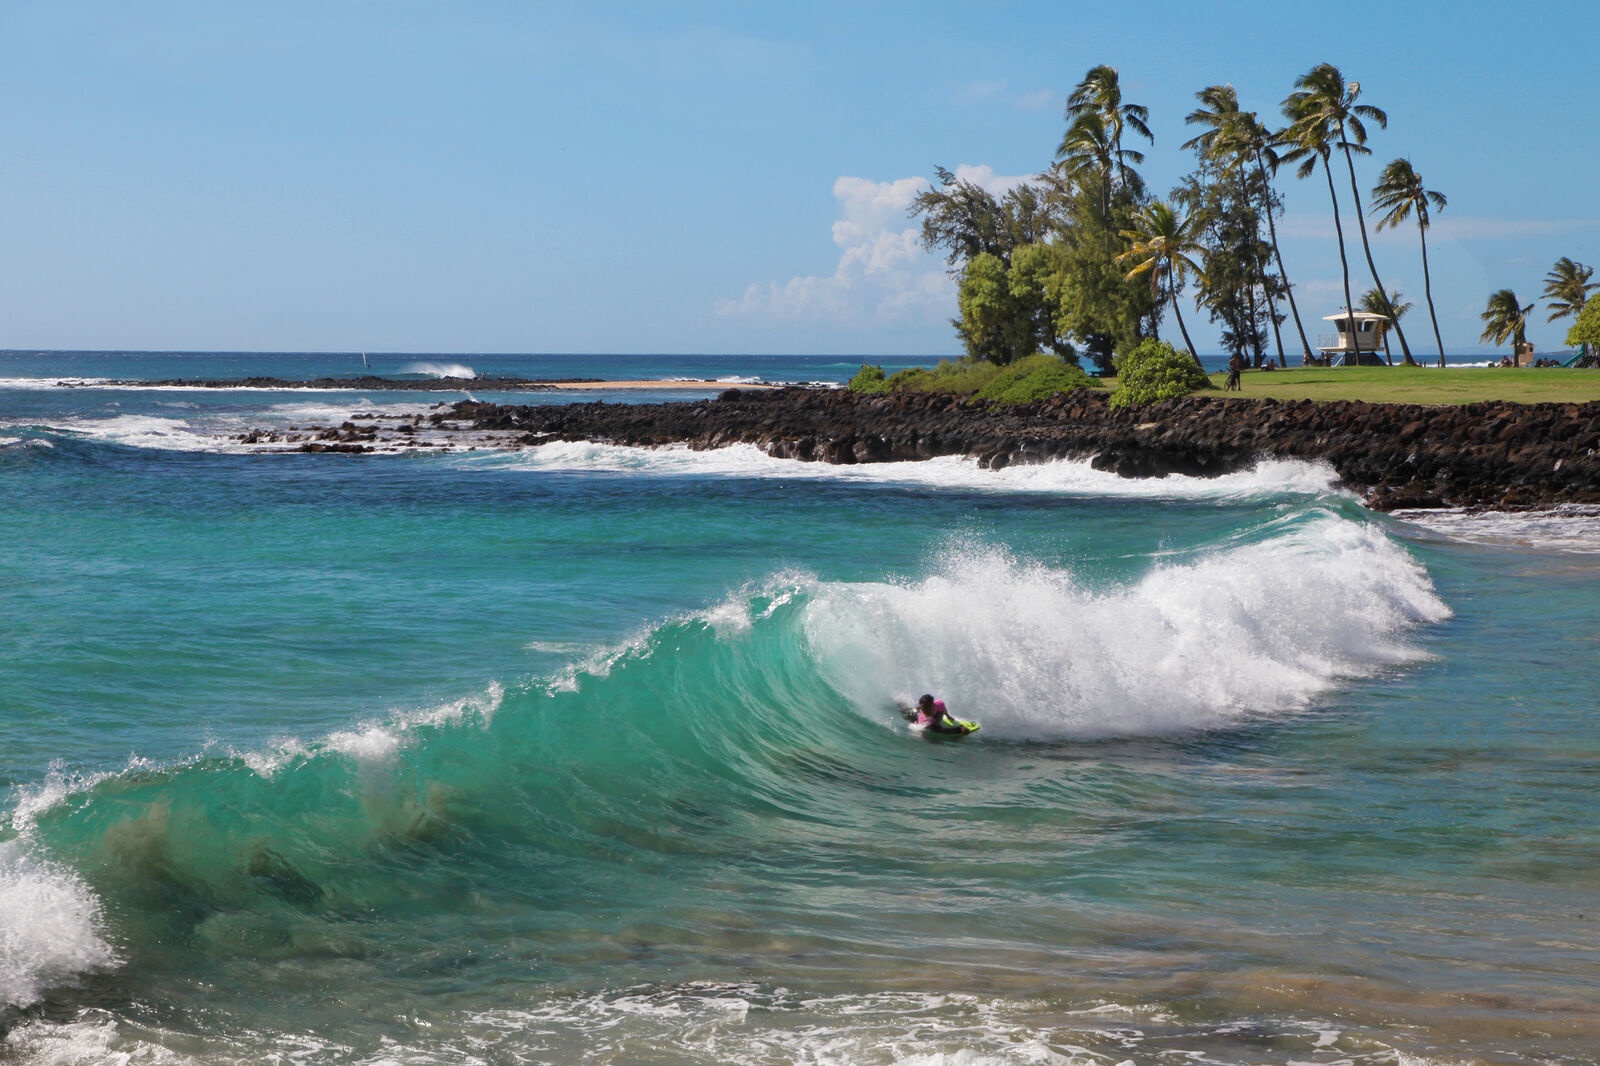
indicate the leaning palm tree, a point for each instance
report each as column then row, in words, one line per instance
column 1323, row 111
column 1389, row 306
column 1399, row 193
column 1567, row 287
column 1100, row 94
column 1239, row 136
column 1505, row 318
column 1163, row 246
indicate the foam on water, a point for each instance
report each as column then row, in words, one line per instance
column 1574, row 528
column 49, row 926
column 1262, row 626
column 439, row 370
column 1066, row 476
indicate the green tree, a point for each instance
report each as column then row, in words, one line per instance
column 1009, row 311
column 992, row 326
column 1237, row 287
column 1095, row 304
column 1096, row 121
column 1323, row 115
column 1585, row 332
column 1567, row 287
column 1236, row 140
column 1162, row 245
column 1400, row 195
column 1504, row 318
column 1390, row 307
column 961, row 217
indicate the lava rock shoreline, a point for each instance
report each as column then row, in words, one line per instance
column 1496, row 455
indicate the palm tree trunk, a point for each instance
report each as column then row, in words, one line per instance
column 1272, row 230
column 1172, row 291
column 1427, row 288
column 1344, row 265
column 1366, row 247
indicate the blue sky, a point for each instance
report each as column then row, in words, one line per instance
column 391, row 175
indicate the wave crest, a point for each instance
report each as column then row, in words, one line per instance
column 1260, row 626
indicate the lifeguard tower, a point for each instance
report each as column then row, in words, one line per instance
column 1363, row 347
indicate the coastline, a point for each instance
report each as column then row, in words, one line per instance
column 1495, row 455
column 372, row 382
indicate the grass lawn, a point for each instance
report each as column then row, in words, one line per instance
column 1407, row 384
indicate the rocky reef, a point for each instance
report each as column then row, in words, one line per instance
column 1500, row 455
column 1491, row 455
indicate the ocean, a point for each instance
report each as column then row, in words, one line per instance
column 590, row 754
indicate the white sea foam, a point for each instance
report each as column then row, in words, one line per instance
column 52, row 382
column 439, row 370
column 1239, row 632
column 1070, row 477
column 1573, row 529
column 48, row 926
column 144, row 431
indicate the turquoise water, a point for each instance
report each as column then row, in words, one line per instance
column 591, row 754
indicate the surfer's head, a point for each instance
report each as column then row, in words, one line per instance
column 925, row 703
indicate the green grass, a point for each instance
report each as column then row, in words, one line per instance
column 1405, row 384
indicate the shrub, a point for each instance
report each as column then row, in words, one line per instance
column 1155, row 371
column 1034, row 378
column 869, row 379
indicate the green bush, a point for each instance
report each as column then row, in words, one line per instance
column 1034, row 378
column 869, row 379
column 1155, row 371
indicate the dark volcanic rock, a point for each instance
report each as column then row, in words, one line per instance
column 1399, row 455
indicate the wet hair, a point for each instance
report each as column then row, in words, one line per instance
column 926, row 700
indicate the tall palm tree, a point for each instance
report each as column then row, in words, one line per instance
column 1087, row 148
column 1163, row 246
column 1323, row 111
column 1239, row 135
column 1390, row 307
column 1505, row 317
column 1567, row 287
column 1399, row 193
column 1309, row 144
column 1100, row 94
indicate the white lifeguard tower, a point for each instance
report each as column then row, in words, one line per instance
column 1363, row 347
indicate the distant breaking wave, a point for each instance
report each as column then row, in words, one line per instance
column 440, row 370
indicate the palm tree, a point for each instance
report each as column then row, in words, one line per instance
column 1163, row 245
column 1240, row 135
column 1323, row 113
column 1400, row 194
column 1389, row 307
column 1505, row 317
column 1100, row 94
column 1567, row 287
column 1086, row 148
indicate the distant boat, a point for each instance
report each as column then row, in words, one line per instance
column 364, row 361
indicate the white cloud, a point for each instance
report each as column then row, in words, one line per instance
column 883, row 274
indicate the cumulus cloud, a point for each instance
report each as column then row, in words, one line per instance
column 883, row 274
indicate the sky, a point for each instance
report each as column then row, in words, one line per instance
column 715, row 177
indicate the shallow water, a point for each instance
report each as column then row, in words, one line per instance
column 586, row 753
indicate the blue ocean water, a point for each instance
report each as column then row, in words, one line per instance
column 583, row 753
